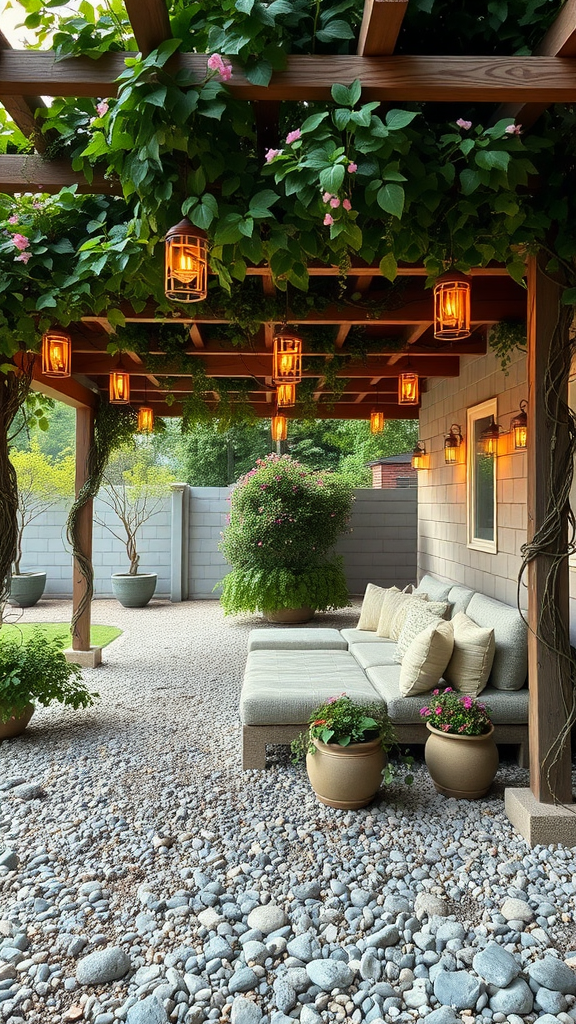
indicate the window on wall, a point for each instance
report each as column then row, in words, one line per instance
column 481, row 478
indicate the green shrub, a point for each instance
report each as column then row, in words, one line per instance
column 37, row 671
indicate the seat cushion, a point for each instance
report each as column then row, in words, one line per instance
column 362, row 636
column 510, row 665
column 459, row 597
column 435, row 590
column 296, row 639
column 368, row 655
column 284, row 687
column 372, row 605
column 426, row 658
column 472, row 657
column 505, row 708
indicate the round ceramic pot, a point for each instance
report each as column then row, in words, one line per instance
column 461, row 766
column 134, row 591
column 290, row 616
column 346, row 777
column 16, row 724
column 26, row 588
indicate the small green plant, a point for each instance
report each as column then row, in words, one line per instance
column 341, row 721
column 37, row 671
column 457, row 713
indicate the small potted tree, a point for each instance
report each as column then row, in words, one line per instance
column 134, row 490
column 42, row 483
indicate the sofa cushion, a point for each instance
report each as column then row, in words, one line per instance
column 296, row 638
column 505, row 708
column 372, row 605
column 368, row 655
column 459, row 597
column 362, row 636
column 472, row 657
column 426, row 658
column 417, row 617
column 284, row 687
column 391, row 605
column 510, row 665
column 435, row 590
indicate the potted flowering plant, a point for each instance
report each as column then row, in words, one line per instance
column 346, row 746
column 460, row 752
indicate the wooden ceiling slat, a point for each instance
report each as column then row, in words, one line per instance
column 150, row 23
column 257, row 365
column 381, row 24
column 437, row 79
column 413, row 335
column 29, row 172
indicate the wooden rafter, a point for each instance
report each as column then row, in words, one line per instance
column 22, row 109
column 437, row 79
column 381, row 24
column 196, row 337
column 413, row 335
column 30, row 172
column 150, row 23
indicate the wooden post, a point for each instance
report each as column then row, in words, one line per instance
column 84, row 435
column 550, row 692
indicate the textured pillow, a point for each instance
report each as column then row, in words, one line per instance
column 426, row 659
column 397, row 625
column 372, row 606
column 418, row 616
column 472, row 658
column 390, row 607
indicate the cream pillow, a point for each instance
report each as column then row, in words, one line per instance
column 426, row 659
column 418, row 616
column 390, row 606
column 472, row 658
column 396, row 626
column 372, row 606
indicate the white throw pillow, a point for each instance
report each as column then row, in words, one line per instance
column 418, row 616
column 372, row 606
column 426, row 659
column 397, row 625
column 471, row 661
column 390, row 606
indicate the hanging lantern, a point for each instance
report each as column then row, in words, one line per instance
column 488, row 440
column 287, row 361
column 452, row 443
column 519, row 428
column 377, row 421
column 56, row 352
column 279, row 428
column 145, row 419
column 452, row 306
column 119, row 387
column 408, row 389
column 286, row 395
column 186, row 263
column 419, row 456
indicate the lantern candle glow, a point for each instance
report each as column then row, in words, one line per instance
column 56, row 352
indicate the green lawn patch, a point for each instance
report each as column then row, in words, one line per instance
column 100, row 636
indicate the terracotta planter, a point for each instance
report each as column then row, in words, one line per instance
column 134, row 591
column 290, row 616
column 26, row 589
column 16, row 725
column 346, row 777
column 461, row 766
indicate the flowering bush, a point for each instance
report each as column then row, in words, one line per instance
column 284, row 518
column 457, row 713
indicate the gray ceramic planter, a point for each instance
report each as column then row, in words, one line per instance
column 26, row 589
column 134, row 591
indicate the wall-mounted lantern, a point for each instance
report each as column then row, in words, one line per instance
column 452, row 443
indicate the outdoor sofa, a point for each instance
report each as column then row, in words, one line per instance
column 291, row 671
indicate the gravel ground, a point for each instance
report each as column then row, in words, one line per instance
column 145, row 878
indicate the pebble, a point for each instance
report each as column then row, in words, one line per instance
column 244, row 1011
column 147, row 1011
column 553, row 974
column 517, row 910
column 267, row 919
column 496, row 965
column 102, row 966
column 515, row 998
column 329, row 974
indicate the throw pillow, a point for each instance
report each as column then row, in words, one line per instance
column 372, row 606
column 418, row 616
column 437, row 607
column 472, row 658
column 426, row 659
column 390, row 606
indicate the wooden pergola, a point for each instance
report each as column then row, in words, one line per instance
column 522, row 87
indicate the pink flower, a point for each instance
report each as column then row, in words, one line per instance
column 102, row 108
column 269, row 156
column 328, row 220
column 259, row 543
column 447, row 690
column 293, row 136
column 438, row 710
column 23, row 257
column 216, row 63
column 20, row 241
column 424, row 711
column 226, row 72
column 445, row 728
column 346, row 204
column 352, row 167
column 513, row 129
column 334, row 202
column 464, row 124
column 467, row 702
column 13, row 219
column 326, row 197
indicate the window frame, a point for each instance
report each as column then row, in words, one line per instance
column 473, row 414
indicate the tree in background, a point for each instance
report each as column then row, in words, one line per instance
column 42, row 483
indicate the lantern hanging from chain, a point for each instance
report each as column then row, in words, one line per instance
column 56, row 354
column 279, row 427
column 408, row 389
column 452, row 307
column 419, row 456
column 286, row 395
column 186, row 263
column 119, row 387
column 287, row 358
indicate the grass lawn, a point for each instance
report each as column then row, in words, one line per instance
column 100, row 636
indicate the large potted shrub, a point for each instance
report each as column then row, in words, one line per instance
column 36, row 671
column 42, row 483
column 284, row 520
column 134, row 490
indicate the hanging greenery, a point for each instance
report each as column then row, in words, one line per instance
column 14, row 390
column 505, row 338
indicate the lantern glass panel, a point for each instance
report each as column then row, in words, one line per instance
column 377, row 421
column 145, row 419
column 119, row 387
column 408, row 389
column 286, row 395
column 186, row 263
column 287, row 360
column 56, row 350
column 451, row 309
column 279, row 428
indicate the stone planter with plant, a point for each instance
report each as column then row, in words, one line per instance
column 460, row 752
column 284, row 520
column 36, row 671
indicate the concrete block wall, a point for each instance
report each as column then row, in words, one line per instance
column 208, row 508
column 381, row 547
column 442, row 536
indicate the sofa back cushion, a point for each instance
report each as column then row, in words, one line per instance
column 426, row 658
column 435, row 590
column 459, row 597
column 510, row 665
column 372, row 606
column 472, row 657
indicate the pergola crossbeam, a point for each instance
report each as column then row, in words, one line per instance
column 150, row 23
column 381, row 24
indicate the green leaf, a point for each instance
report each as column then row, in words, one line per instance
column 391, row 198
column 469, row 181
column 260, row 73
column 157, row 97
column 245, row 6
column 341, row 95
column 389, row 267
column 355, row 92
column 246, row 226
column 116, row 317
column 335, row 29
column 492, row 158
column 311, row 123
column 331, row 178
column 260, row 203
column 46, row 301
column 569, row 297
column 64, row 245
column 396, row 119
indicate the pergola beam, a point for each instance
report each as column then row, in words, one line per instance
column 21, row 110
column 381, row 24
column 437, row 79
column 259, row 365
column 31, row 173
column 150, row 23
